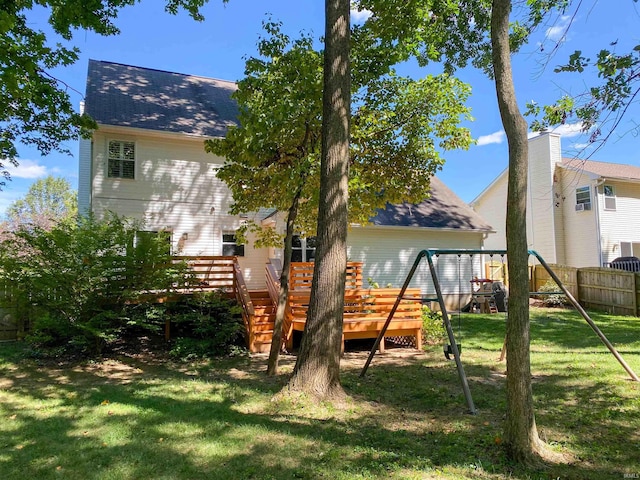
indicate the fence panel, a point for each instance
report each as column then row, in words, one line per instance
column 611, row 290
column 567, row 275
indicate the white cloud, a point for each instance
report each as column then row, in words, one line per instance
column 558, row 32
column 27, row 169
column 360, row 16
column 495, row 137
column 569, row 130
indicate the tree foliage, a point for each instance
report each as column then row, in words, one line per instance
column 48, row 201
column 601, row 107
column 74, row 280
column 399, row 128
column 35, row 107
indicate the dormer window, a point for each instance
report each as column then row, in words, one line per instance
column 122, row 159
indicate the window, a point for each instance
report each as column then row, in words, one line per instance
column 609, row 197
column 121, row 161
column 304, row 249
column 230, row 247
column 583, row 198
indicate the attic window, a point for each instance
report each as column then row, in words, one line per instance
column 122, row 159
column 609, row 197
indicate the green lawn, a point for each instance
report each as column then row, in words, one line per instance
column 147, row 418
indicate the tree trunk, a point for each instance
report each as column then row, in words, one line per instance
column 521, row 435
column 317, row 370
column 283, row 294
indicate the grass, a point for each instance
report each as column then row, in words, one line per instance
column 132, row 417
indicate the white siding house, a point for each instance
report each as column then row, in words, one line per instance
column 579, row 212
column 389, row 244
column 147, row 161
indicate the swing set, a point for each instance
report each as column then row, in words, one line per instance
column 453, row 348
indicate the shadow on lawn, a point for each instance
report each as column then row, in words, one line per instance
column 413, row 420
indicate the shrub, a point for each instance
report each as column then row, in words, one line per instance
column 206, row 325
column 74, row 281
column 552, row 299
column 433, row 330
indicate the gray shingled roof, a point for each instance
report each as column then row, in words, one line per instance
column 603, row 169
column 129, row 96
column 444, row 209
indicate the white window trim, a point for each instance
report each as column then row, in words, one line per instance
column 235, row 244
column 612, row 198
column 303, row 248
column 587, row 205
column 135, row 158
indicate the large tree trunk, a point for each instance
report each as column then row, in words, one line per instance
column 283, row 294
column 317, row 369
column 521, row 435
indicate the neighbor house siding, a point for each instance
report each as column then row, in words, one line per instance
column 621, row 224
column 580, row 228
column 492, row 206
column 544, row 153
column 543, row 228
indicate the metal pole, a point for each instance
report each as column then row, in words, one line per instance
column 452, row 339
column 586, row 316
column 392, row 312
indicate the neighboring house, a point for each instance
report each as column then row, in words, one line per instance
column 579, row 212
column 147, row 161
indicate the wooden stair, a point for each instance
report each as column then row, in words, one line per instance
column 262, row 322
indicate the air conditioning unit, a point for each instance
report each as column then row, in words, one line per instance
column 581, row 207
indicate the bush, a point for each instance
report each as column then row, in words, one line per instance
column 74, row 281
column 207, row 325
column 433, row 330
column 553, row 299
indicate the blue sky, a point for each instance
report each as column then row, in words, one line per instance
column 218, row 46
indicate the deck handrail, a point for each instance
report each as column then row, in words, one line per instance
column 273, row 271
column 241, row 291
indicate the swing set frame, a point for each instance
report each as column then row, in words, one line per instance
column 429, row 254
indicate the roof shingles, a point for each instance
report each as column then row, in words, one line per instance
column 443, row 209
column 603, row 169
column 128, row 96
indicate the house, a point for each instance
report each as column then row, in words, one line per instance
column 147, row 161
column 580, row 213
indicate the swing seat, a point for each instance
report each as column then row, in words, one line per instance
column 448, row 351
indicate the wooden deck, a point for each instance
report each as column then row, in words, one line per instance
column 365, row 310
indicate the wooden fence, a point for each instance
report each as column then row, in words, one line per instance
column 607, row 289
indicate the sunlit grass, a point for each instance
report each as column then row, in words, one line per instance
column 124, row 418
